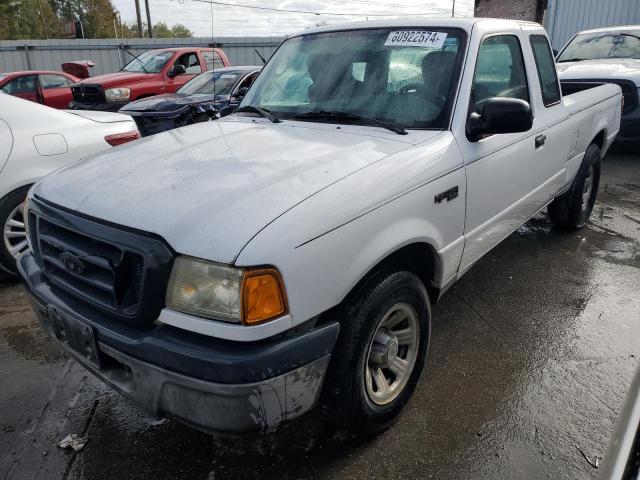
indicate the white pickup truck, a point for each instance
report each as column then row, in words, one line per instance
column 236, row 274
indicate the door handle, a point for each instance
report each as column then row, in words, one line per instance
column 540, row 140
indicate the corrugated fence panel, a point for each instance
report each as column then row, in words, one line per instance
column 108, row 57
column 565, row 18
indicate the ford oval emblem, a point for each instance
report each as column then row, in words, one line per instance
column 71, row 262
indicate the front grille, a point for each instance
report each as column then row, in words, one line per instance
column 84, row 93
column 115, row 269
column 105, row 273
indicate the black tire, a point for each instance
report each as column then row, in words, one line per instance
column 345, row 397
column 569, row 211
column 7, row 205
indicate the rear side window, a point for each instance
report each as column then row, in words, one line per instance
column 499, row 71
column 53, row 81
column 546, row 70
column 212, row 60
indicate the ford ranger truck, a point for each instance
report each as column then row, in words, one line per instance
column 238, row 273
column 151, row 73
column 609, row 55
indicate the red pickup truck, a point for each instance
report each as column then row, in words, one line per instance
column 152, row 73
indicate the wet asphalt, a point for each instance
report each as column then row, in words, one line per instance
column 531, row 356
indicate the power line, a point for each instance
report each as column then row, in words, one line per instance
column 394, row 5
column 273, row 9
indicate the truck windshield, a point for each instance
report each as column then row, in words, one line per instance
column 148, row 62
column 405, row 77
column 204, row 83
column 592, row 46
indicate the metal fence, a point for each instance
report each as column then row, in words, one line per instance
column 110, row 54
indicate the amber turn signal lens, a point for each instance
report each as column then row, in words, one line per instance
column 262, row 296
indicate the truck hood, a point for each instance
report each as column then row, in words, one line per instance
column 117, row 78
column 208, row 188
column 600, row 69
column 167, row 102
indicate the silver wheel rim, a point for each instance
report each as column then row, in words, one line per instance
column 14, row 234
column 392, row 354
column 587, row 189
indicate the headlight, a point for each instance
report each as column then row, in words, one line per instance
column 117, row 94
column 206, row 289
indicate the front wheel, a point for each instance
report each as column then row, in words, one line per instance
column 380, row 353
column 572, row 209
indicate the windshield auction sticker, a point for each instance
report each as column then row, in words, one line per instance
column 409, row 38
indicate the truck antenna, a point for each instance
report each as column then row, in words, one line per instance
column 213, row 65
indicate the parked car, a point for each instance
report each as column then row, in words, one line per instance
column 36, row 140
column 235, row 277
column 49, row 88
column 152, row 73
column 211, row 94
column 608, row 55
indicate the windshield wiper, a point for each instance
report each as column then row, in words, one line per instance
column 135, row 58
column 260, row 111
column 570, row 60
column 337, row 115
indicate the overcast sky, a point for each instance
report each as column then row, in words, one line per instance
column 238, row 21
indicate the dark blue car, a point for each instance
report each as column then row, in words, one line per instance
column 210, row 95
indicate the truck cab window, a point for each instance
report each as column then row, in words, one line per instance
column 546, row 67
column 190, row 62
column 499, row 71
column 212, row 60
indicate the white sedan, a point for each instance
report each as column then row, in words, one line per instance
column 36, row 140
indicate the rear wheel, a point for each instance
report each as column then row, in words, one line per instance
column 14, row 236
column 572, row 209
column 380, row 353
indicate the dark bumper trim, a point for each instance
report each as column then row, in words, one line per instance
column 273, row 397
column 195, row 355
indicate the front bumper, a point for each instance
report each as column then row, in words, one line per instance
column 211, row 384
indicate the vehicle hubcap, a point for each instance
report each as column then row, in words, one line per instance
column 587, row 189
column 392, row 354
column 14, row 233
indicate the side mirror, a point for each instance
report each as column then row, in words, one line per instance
column 178, row 69
column 500, row 115
column 555, row 53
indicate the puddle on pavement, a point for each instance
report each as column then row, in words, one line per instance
column 31, row 342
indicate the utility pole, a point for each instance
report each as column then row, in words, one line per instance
column 44, row 25
column 146, row 5
column 453, row 9
column 139, row 18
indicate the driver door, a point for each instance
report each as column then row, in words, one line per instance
column 501, row 169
